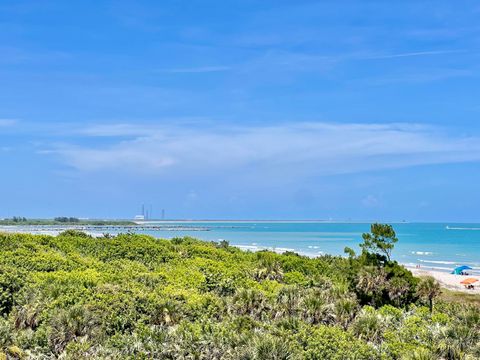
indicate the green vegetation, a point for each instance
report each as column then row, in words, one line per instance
column 381, row 240
column 428, row 289
column 133, row 296
column 62, row 220
column 459, row 297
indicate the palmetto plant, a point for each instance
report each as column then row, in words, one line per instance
column 316, row 309
column 271, row 348
column 269, row 268
column 470, row 317
column 5, row 333
column 249, row 302
column 167, row 313
column 72, row 324
column 455, row 340
column 345, row 310
column 27, row 315
column 339, row 290
column 288, row 300
column 397, row 290
column 428, row 288
column 368, row 326
column 272, row 271
column 421, row 354
column 371, row 282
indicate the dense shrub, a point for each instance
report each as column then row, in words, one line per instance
column 133, row 296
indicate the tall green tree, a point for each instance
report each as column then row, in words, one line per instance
column 381, row 240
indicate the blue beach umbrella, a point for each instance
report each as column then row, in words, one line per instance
column 459, row 269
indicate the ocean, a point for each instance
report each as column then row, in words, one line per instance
column 439, row 246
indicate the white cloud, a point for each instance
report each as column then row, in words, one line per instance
column 290, row 150
column 412, row 54
column 115, row 130
column 199, row 69
column 430, row 75
column 7, row 122
column 370, row 201
column 127, row 129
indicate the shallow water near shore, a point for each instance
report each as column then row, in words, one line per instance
column 438, row 246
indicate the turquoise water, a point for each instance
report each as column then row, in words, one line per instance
column 431, row 245
column 439, row 246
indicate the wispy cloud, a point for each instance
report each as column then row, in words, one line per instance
column 292, row 149
column 370, row 201
column 7, row 122
column 280, row 62
column 128, row 129
column 199, row 69
column 429, row 75
column 412, row 54
column 16, row 55
column 114, row 130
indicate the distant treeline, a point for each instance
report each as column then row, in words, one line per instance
column 61, row 220
column 64, row 219
column 17, row 219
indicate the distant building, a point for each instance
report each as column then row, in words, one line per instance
column 139, row 217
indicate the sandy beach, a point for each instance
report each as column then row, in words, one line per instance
column 449, row 281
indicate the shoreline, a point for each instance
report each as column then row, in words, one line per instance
column 447, row 280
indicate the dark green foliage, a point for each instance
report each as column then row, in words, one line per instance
column 18, row 219
column 135, row 297
column 381, row 240
column 381, row 285
column 428, row 289
column 64, row 219
column 74, row 233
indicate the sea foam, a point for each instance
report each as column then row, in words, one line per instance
column 422, row 253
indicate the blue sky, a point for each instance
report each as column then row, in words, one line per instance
column 364, row 110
